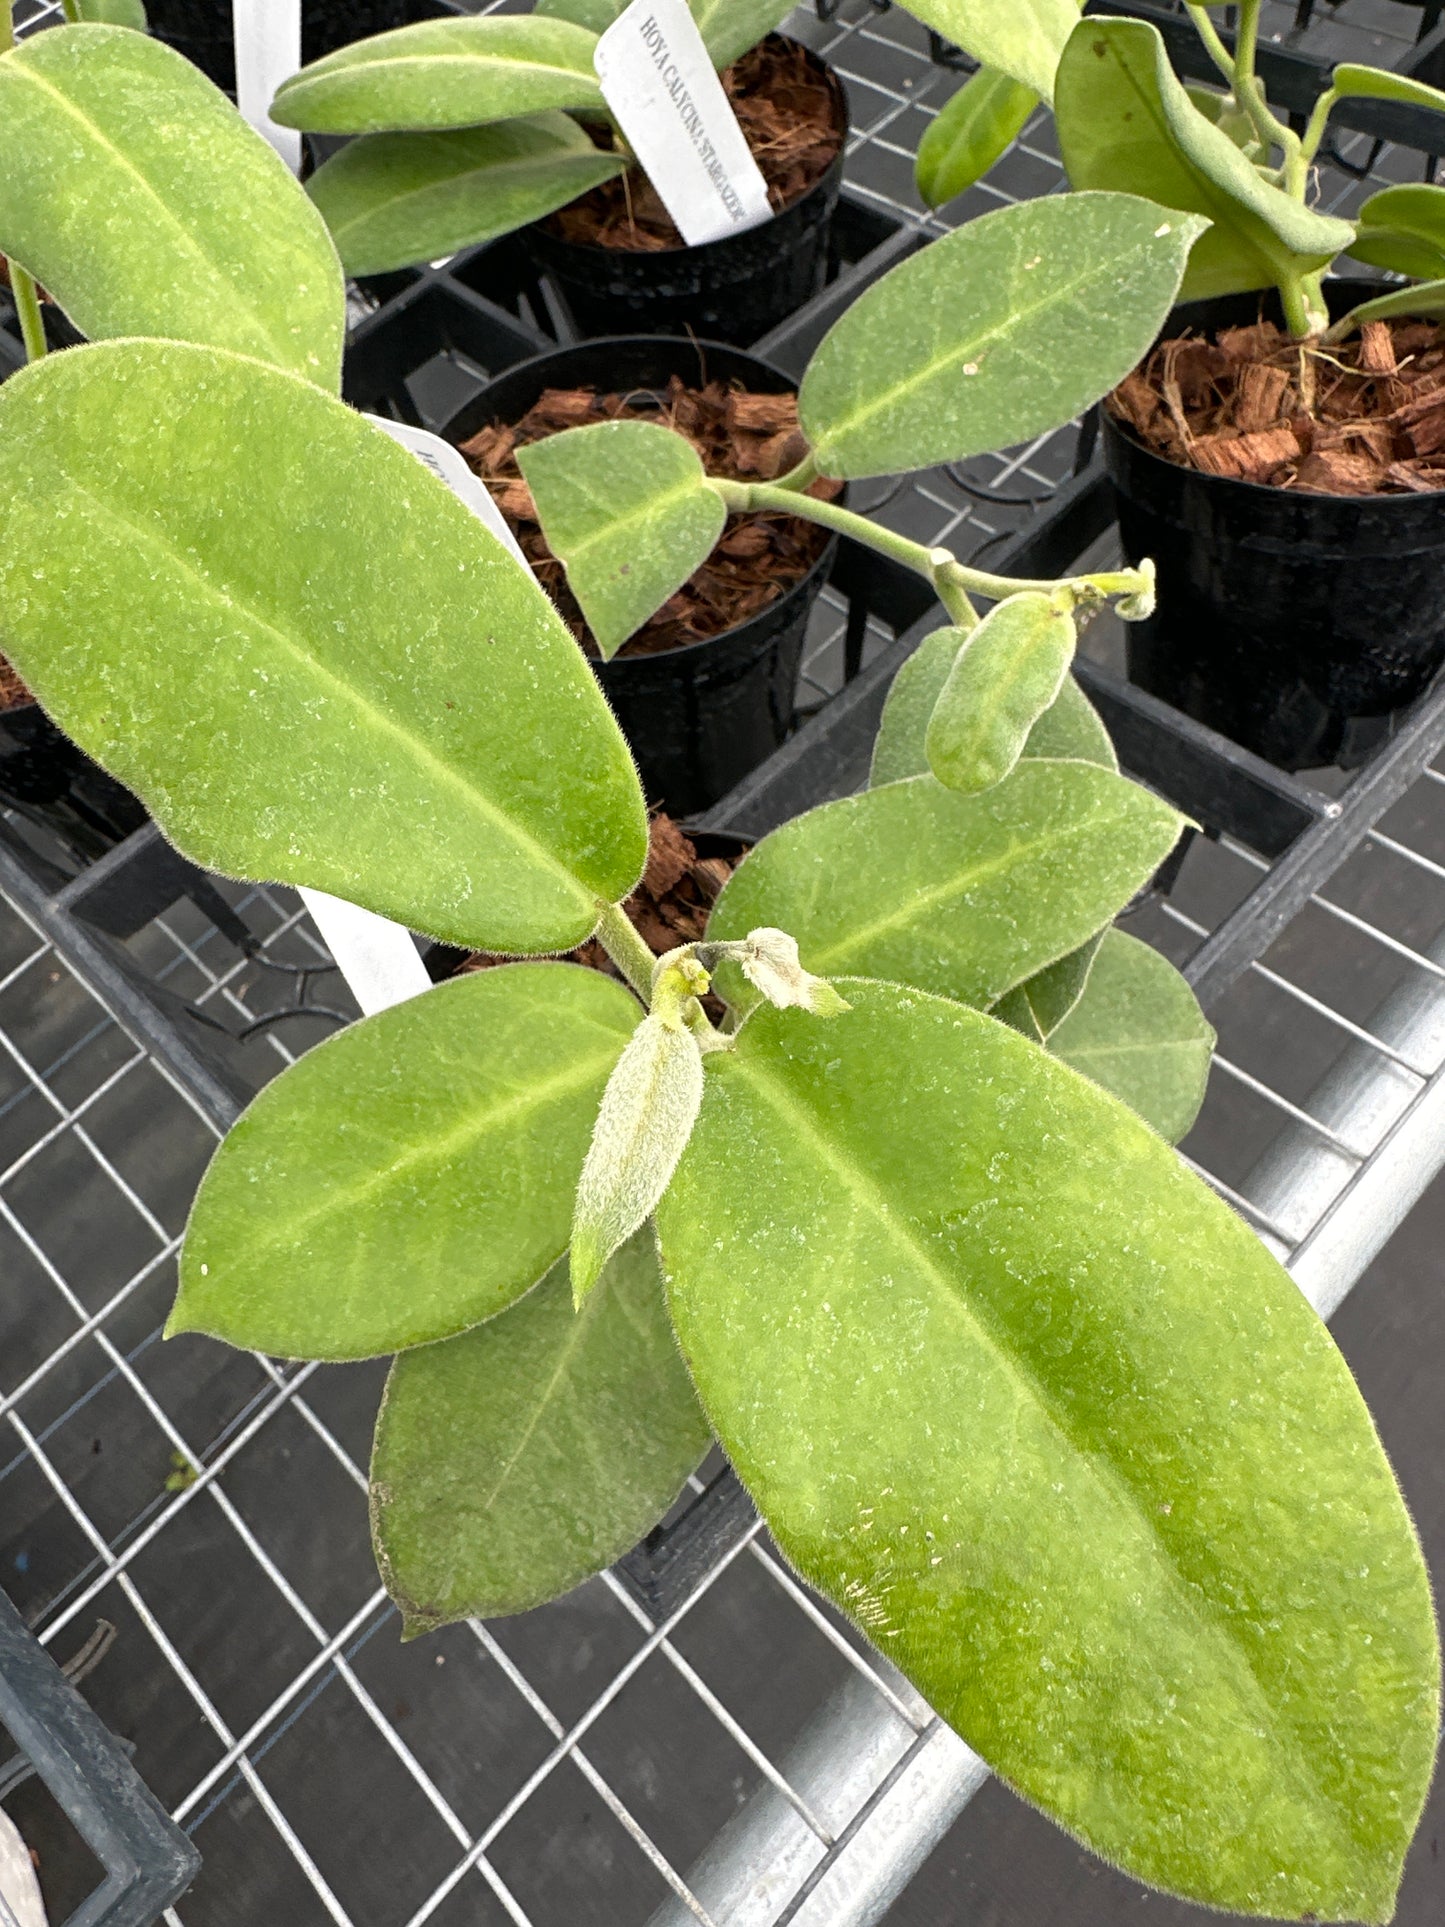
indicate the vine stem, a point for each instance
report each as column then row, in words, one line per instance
column 1209, row 34
column 627, row 950
column 27, row 308
column 954, row 581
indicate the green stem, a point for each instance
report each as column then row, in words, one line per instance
column 802, row 477
column 1209, row 34
column 1250, row 94
column 7, row 26
column 1315, row 130
column 27, row 308
column 71, row 10
column 627, row 950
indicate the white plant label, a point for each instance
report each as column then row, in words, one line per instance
column 379, row 959
column 268, row 50
column 657, row 78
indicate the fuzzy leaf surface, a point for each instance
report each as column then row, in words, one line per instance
column 999, row 332
column 1425, row 300
column 1038, row 1005
column 136, row 194
column 114, row 13
column 1138, row 1030
column 1352, row 82
column 1126, row 122
column 1024, row 1398
column 518, row 1460
column 595, row 15
column 627, row 508
column 1402, row 228
column 1070, row 730
column 443, row 73
column 973, row 131
column 392, row 200
column 353, row 688
column 1022, row 38
column 962, row 895
column 730, row 27
column 1007, row 675
column 410, row 1176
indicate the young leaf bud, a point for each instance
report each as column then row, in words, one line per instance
column 771, row 964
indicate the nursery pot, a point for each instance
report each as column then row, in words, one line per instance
column 202, row 29
column 1296, row 624
column 701, row 716
column 44, row 777
column 734, row 290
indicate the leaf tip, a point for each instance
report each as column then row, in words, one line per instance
column 585, row 1260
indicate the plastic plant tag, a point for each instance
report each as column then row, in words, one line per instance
column 378, row 958
column 268, row 51
column 658, row 79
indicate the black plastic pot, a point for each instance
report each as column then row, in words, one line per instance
column 46, row 778
column 202, row 30
column 699, row 718
column 1295, row 624
column 731, row 290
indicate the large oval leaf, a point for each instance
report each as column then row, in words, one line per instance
column 1071, row 729
column 443, row 73
column 628, row 508
column 520, row 1459
column 133, row 190
column 963, row 895
column 1402, row 228
column 1126, row 122
column 310, row 660
column 409, row 1177
column 1027, row 1401
column 391, row 200
column 999, row 332
column 1023, row 38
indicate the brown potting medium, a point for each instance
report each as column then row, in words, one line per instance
column 742, row 436
column 793, row 119
column 1365, row 417
column 13, row 693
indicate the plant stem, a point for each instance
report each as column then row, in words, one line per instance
column 953, row 580
column 627, row 950
column 71, row 10
column 1315, row 130
column 1209, row 34
column 27, row 308
column 1250, row 95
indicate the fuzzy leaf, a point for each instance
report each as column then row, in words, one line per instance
column 1138, row 1030
column 596, row 15
column 1038, row 1005
column 136, row 194
column 1018, row 1393
column 520, row 1459
column 731, row 27
column 1374, row 83
column 1126, row 122
column 1425, row 300
column 627, row 507
column 1071, row 730
column 1403, row 229
column 114, row 13
column 443, row 73
column 1005, row 677
column 999, row 332
column 349, row 687
column 647, row 1112
column 973, row 131
column 392, row 200
column 1022, row 38
column 963, row 895
column 412, row 1175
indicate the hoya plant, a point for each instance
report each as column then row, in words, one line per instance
column 1009, row 1384
column 472, row 127
column 1127, row 123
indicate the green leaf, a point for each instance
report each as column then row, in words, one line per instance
column 1138, row 1030
column 1005, row 677
column 1070, row 731
column 114, row 13
column 1025, row 1399
column 647, row 1112
column 391, row 200
column 1126, row 122
column 1040, row 1004
column 997, row 333
column 1226, row 113
column 1403, row 229
column 515, row 1462
column 627, row 507
column 975, row 129
column 1022, row 38
column 595, row 15
column 1373, row 83
column 412, row 1175
column 306, row 656
column 963, row 895
column 1424, row 301
column 443, row 73
column 731, row 27
column 136, row 194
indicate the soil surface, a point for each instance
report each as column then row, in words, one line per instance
column 740, row 436
column 13, row 693
column 1364, row 418
column 792, row 117
column 668, row 908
